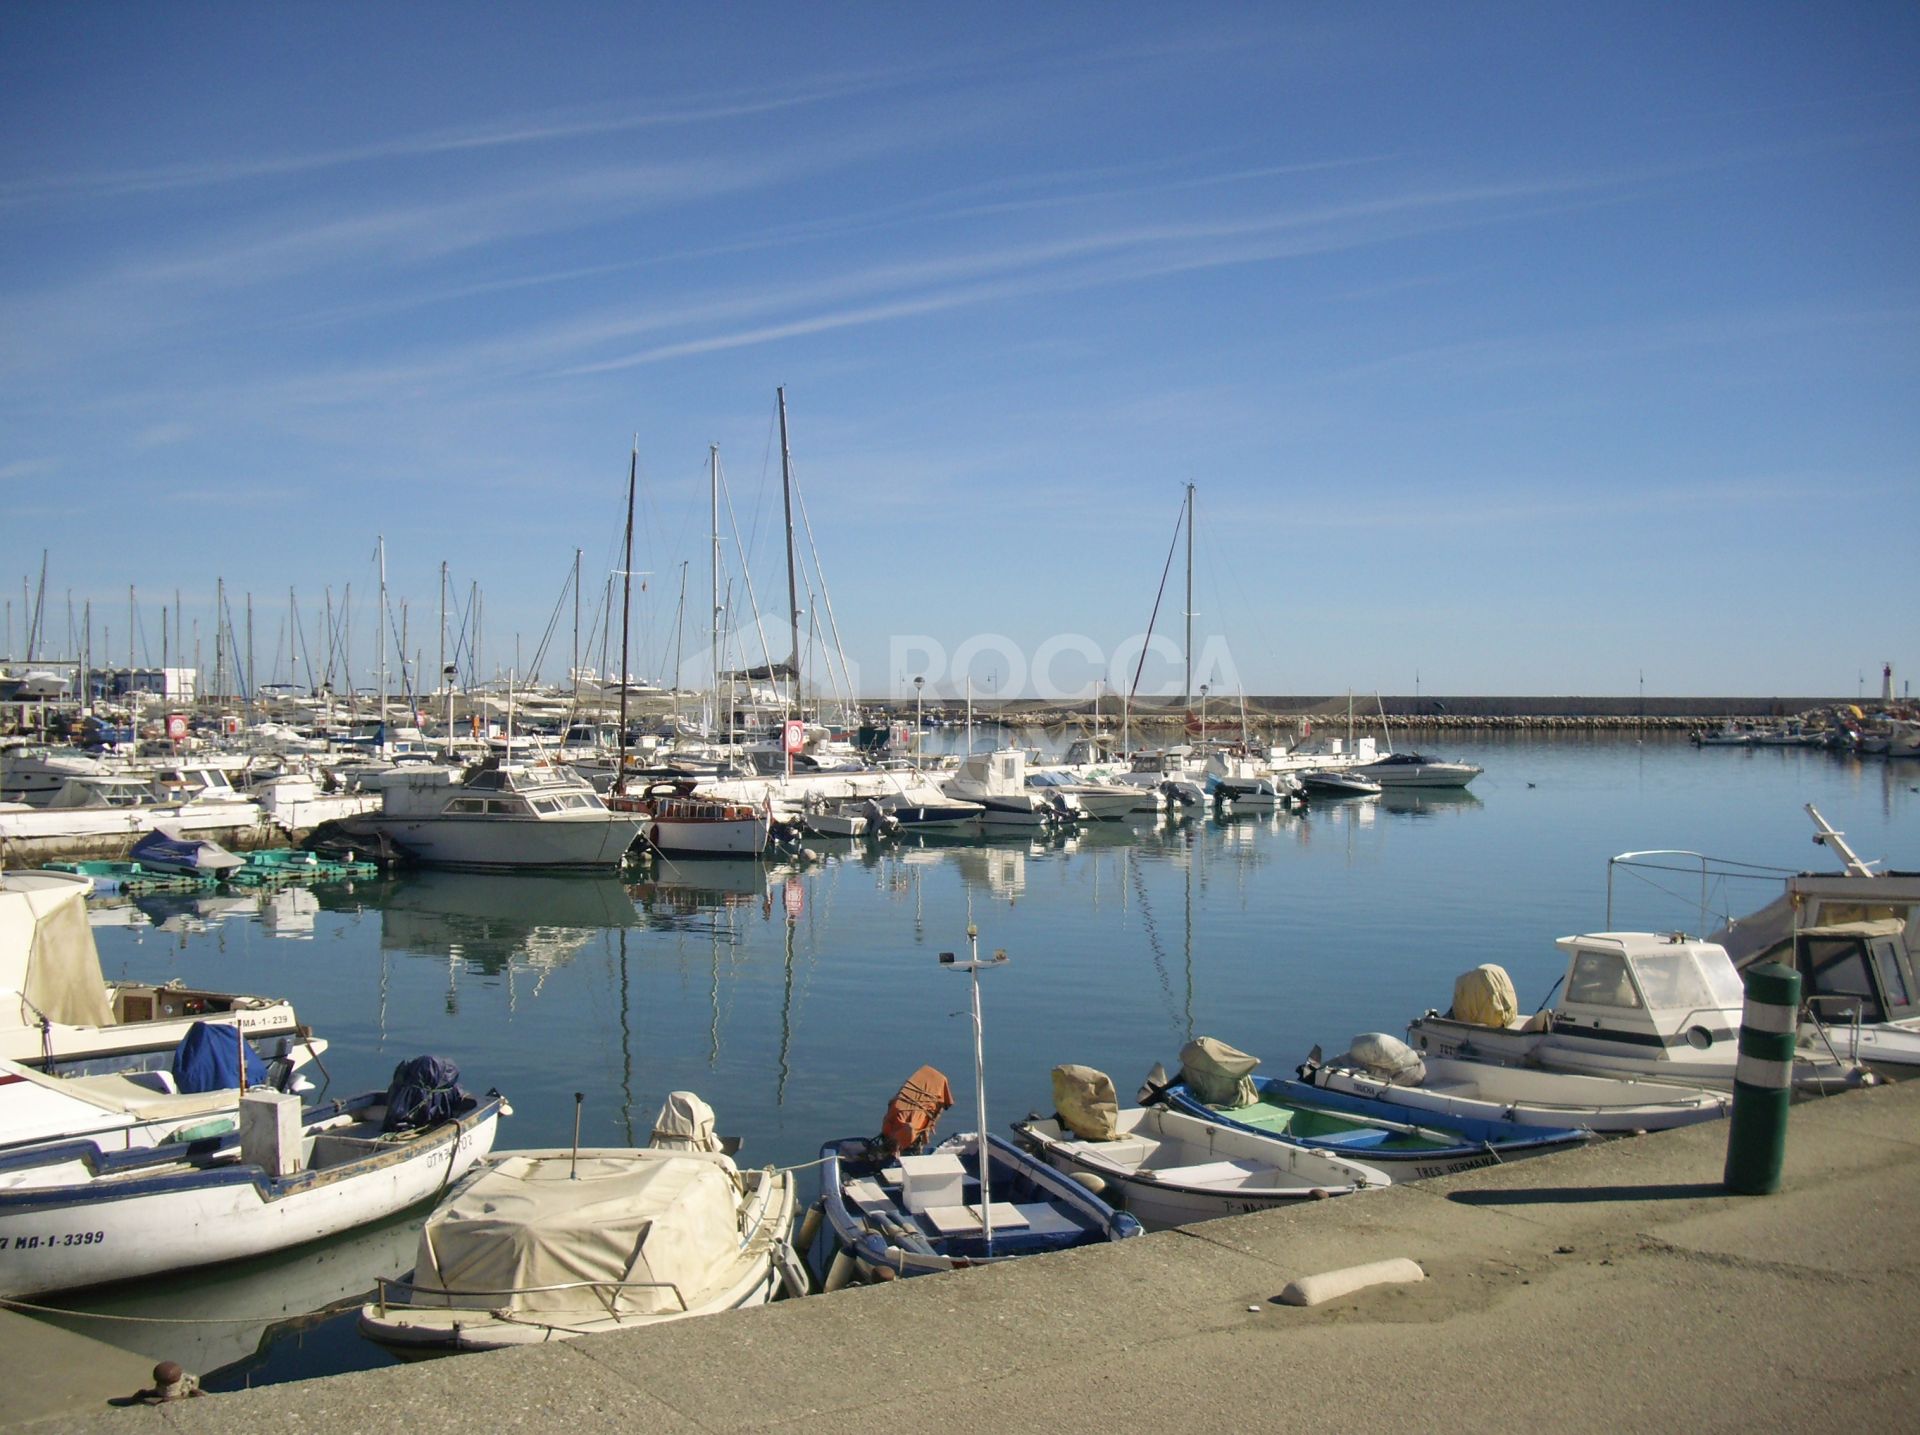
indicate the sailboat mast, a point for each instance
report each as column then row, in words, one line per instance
column 786, row 493
column 626, row 608
column 1189, row 644
column 713, row 504
column 380, row 622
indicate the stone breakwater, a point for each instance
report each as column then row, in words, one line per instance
column 1455, row 714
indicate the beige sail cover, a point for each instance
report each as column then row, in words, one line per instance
column 669, row 1218
column 1086, row 1103
column 1220, row 1075
column 1485, row 997
column 47, row 956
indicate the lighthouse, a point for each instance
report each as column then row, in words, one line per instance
column 1886, row 682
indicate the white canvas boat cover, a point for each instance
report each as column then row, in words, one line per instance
column 1386, row 1057
column 1086, row 1102
column 48, row 962
column 1218, row 1074
column 685, row 1123
column 1485, row 997
column 634, row 1226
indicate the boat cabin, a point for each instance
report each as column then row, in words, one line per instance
column 491, row 792
column 1647, row 986
column 1858, row 968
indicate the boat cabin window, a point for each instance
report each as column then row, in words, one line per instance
column 467, row 804
column 505, row 807
column 1837, row 967
column 491, row 780
column 1675, row 981
column 1893, row 978
column 546, row 804
column 1601, row 979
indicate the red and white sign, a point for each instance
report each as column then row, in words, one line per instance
column 176, row 726
column 796, row 735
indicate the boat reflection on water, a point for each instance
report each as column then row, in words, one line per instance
column 1427, row 801
column 224, row 1323
column 493, row 921
column 682, row 895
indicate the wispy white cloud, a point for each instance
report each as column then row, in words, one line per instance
column 551, row 127
column 18, row 469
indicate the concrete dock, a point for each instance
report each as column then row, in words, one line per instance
column 1614, row 1288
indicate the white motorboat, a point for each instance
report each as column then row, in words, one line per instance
column 58, row 1011
column 1167, row 1168
column 677, row 821
column 998, row 782
column 920, row 804
column 502, row 818
column 1852, row 937
column 1641, row 1004
column 1451, row 1088
column 535, row 1246
column 1412, row 769
column 1338, row 782
column 1248, row 784
column 1096, row 801
column 69, row 1219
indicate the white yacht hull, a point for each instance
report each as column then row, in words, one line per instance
column 514, row 844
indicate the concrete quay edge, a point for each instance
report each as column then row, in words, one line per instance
column 1614, row 1288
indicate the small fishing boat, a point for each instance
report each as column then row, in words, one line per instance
column 890, row 1207
column 1169, row 1168
column 69, row 1219
column 1217, row 1083
column 535, row 1246
column 1439, row 1088
column 679, row 823
column 58, row 1012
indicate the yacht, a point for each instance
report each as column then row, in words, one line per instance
column 1412, row 769
column 679, row 822
column 502, row 818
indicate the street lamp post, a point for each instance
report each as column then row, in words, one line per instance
column 919, row 732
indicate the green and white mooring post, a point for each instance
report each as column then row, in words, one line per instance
column 1763, row 1080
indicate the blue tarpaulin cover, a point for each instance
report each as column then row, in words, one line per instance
column 425, row 1089
column 208, row 1059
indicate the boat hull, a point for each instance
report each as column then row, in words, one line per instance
column 499, row 844
column 142, row 1224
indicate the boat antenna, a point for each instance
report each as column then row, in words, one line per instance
column 626, row 610
column 972, row 966
column 573, row 1169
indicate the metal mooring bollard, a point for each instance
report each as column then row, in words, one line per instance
column 1763, row 1080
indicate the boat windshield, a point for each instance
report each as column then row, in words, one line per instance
column 1678, row 980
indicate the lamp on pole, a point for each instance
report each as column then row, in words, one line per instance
column 1203, row 714
column 919, row 732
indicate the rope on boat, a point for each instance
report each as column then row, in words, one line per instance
column 23, row 1305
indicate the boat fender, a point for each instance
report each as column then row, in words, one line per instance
column 838, row 1274
column 810, row 1225
column 1093, row 1183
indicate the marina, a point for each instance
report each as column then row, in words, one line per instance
column 1130, row 716
column 759, row 983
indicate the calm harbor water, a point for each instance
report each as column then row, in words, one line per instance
column 796, row 998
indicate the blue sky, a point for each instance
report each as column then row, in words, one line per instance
column 1525, row 348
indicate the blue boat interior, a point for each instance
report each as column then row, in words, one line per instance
column 1029, row 1215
